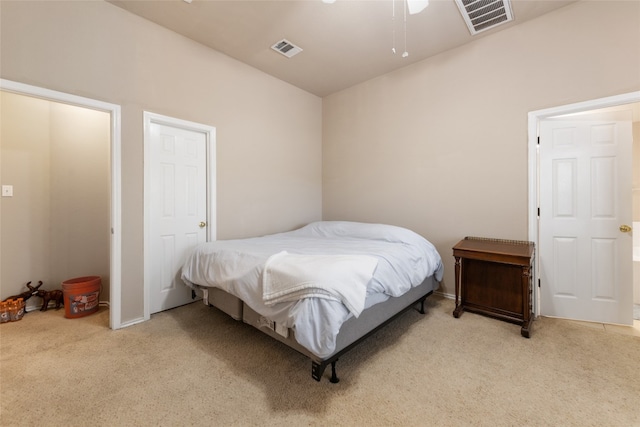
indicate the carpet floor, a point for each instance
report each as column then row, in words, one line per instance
column 196, row 366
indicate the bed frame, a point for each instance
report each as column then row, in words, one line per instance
column 352, row 332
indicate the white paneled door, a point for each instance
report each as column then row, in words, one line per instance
column 177, row 211
column 585, row 205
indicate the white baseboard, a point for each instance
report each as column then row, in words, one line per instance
column 32, row 306
column 36, row 307
column 132, row 322
column 442, row 294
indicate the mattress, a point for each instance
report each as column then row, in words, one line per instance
column 351, row 331
column 404, row 260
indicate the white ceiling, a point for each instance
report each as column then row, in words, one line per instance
column 343, row 44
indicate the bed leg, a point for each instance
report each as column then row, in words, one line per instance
column 334, row 378
column 317, row 370
column 421, row 310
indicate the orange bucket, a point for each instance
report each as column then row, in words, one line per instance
column 81, row 296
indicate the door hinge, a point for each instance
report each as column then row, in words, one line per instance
column 538, row 140
column 538, row 282
column 538, row 212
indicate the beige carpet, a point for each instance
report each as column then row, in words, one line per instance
column 196, row 366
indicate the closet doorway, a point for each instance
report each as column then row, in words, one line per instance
column 61, row 158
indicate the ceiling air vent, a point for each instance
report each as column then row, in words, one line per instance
column 286, row 48
column 481, row 15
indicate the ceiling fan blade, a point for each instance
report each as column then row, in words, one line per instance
column 417, row 6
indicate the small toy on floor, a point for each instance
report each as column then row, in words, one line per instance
column 56, row 296
column 13, row 308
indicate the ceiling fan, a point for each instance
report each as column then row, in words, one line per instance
column 416, row 6
column 413, row 7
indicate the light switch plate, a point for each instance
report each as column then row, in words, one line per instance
column 7, row 191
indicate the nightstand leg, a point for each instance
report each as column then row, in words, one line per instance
column 525, row 331
column 457, row 312
column 526, row 301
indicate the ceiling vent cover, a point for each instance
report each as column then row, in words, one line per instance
column 481, row 15
column 286, row 48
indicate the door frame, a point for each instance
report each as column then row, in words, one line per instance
column 534, row 119
column 115, row 258
column 210, row 137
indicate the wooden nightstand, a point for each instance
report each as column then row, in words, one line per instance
column 493, row 277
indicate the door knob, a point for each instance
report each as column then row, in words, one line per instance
column 625, row 228
column 204, row 224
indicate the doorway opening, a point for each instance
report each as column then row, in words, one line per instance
column 625, row 101
column 112, row 230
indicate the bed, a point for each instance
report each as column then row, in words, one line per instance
column 320, row 289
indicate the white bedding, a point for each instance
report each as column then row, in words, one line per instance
column 292, row 277
column 405, row 259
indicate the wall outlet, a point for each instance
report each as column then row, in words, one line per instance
column 7, row 191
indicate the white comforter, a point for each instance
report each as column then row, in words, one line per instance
column 405, row 259
column 344, row 278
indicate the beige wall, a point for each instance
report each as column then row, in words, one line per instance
column 56, row 226
column 268, row 170
column 80, row 194
column 25, row 145
column 441, row 146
